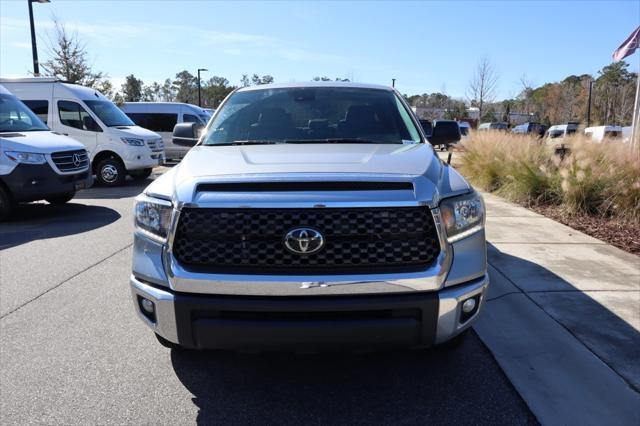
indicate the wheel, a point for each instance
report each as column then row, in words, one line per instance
column 61, row 199
column 140, row 174
column 7, row 204
column 166, row 343
column 110, row 172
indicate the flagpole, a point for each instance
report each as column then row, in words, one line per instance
column 635, row 144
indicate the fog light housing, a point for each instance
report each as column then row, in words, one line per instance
column 469, row 308
column 147, row 308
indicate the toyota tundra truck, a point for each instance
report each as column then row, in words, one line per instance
column 308, row 217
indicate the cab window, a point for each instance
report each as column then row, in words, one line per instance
column 72, row 114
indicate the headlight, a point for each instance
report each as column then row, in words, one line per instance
column 25, row 157
column 152, row 217
column 462, row 216
column 133, row 141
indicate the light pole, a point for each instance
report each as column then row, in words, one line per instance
column 393, row 82
column 34, row 48
column 199, row 95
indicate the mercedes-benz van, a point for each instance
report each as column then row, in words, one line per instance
column 161, row 117
column 116, row 145
column 36, row 163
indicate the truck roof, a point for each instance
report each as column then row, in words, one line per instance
column 78, row 91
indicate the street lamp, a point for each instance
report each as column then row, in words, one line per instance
column 393, row 82
column 199, row 95
column 34, row 48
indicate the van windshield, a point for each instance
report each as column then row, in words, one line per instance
column 17, row 117
column 109, row 114
column 312, row 115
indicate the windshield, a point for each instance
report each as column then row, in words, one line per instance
column 312, row 115
column 17, row 117
column 109, row 114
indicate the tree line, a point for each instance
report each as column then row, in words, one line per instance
column 613, row 89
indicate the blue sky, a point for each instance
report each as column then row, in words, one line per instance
column 426, row 46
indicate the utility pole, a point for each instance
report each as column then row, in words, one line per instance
column 34, row 48
column 589, row 104
column 199, row 90
column 393, row 82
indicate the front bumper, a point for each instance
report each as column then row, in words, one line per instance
column 32, row 182
column 308, row 323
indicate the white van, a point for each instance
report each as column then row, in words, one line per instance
column 161, row 117
column 115, row 144
column 600, row 133
column 493, row 126
column 561, row 131
column 36, row 163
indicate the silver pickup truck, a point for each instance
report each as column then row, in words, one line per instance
column 310, row 216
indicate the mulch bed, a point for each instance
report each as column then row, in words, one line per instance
column 621, row 233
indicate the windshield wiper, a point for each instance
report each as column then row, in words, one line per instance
column 246, row 142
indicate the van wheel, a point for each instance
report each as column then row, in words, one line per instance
column 140, row 174
column 166, row 343
column 7, row 204
column 61, row 199
column 110, row 172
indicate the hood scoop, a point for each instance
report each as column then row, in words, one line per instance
column 11, row 135
column 303, row 186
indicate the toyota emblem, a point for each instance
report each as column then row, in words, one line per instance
column 303, row 241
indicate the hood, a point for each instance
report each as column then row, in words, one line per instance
column 205, row 161
column 319, row 162
column 134, row 132
column 41, row 142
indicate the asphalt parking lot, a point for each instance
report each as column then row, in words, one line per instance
column 73, row 351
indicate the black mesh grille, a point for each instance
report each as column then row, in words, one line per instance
column 357, row 240
column 70, row 161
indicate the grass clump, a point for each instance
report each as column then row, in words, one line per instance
column 595, row 178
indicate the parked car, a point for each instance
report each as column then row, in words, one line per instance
column 533, row 128
column 161, row 117
column 310, row 215
column 36, row 163
column 465, row 127
column 601, row 133
column 116, row 146
column 427, row 127
column 493, row 126
column 626, row 134
column 561, row 131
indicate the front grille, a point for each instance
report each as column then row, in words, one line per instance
column 357, row 240
column 70, row 161
column 155, row 144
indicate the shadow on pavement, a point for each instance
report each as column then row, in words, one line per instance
column 37, row 221
column 441, row 386
column 611, row 338
column 131, row 188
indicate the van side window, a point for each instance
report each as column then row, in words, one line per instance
column 40, row 108
column 156, row 122
column 189, row 118
column 73, row 115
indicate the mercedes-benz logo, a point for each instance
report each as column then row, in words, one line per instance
column 76, row 160
column 303, row 240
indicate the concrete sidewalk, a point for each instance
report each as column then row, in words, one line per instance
column 563, row 318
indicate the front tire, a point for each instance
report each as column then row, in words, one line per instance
column 110, row 172
column 61, row 199
column 141, row 174
column 7, row 204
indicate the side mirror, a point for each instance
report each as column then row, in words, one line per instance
column 445, row 132
column 186, row 134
